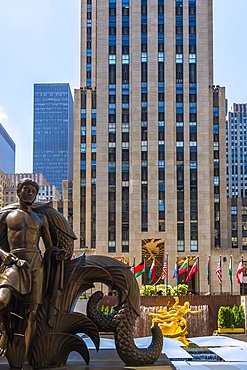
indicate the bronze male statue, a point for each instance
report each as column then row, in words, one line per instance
column 49, row 286
column 22, row 269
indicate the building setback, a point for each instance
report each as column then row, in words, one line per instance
column 53, row 132
column 7, row 152
column 149, row 136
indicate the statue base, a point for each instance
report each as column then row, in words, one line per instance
column 105, row 359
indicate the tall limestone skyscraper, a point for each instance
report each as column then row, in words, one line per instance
column 148, row 120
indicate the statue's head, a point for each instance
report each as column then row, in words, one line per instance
column 26, row 181
column 27, row 184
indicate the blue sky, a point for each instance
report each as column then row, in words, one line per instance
column 40, row 42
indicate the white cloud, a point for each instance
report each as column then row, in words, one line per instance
column 3, row 115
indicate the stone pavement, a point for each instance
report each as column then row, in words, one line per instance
column 105, row 359
column 242, row 337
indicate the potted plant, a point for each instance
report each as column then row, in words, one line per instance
column 231, row 319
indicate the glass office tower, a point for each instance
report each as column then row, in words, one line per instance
column 7, row 152
column 53, row 132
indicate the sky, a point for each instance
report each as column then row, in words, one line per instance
column 40, row 42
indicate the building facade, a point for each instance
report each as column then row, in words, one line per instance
column 46, row 193
column 5, row 183
column 38, row 177
column 237, row 152
column 53, row 132
column 7, row 152
column 149, row 136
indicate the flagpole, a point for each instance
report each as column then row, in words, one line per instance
column 198, row 278
column 222, row 277
column 187, row 264
column 177, row 271
column 209, row 274
column 242, row 259
column 231, row 273
column 188, row 267
column 145, row 275
column 167, row 269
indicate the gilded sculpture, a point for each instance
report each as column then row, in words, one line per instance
column 152, row 248
column 172, row 322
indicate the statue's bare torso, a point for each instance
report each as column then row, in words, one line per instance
column 23, row 229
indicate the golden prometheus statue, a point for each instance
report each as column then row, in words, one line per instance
column 172, row 322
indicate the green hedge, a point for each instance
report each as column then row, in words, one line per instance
column 231, row 317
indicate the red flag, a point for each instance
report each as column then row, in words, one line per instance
column 164, row 270
column 219, row 272
column 240, row 273
column 193, row 270
column 139, row 269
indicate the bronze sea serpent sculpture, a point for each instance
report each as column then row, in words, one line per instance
column 57, row 325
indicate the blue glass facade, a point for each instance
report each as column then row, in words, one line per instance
column 53, row 132
column 7, row 152
column 236, row 151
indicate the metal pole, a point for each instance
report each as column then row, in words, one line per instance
column 209, row 274
column 167, row 269
column 231, row 273
column 198, row 278
column 221, row 275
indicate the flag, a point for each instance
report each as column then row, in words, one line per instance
column 208, row 271
column 230, row 269
column 164, row 270
column 175, row 271
column 152, row 273
column 240, row 272
column 132, row 269
column 219, row 272
column 184, row 267
column 193, row 270
column 139, row 269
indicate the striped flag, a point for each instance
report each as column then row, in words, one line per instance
column 219, row 272
column 164, row 270
column 193, row 270
column 184, row 267
column 152, row 273
column 230, row 269
column 139, row 269
column 175, row 271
